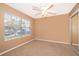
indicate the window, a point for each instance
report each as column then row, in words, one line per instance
column 15, row 27
column 8, row 27
column 26, row 27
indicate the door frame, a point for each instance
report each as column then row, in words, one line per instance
column 77, row 11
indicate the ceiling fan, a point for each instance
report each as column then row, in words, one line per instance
column 44, row 11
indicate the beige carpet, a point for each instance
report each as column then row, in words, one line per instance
column 41, row 48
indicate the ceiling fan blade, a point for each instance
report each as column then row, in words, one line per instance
column 36, row 8
column 46, row 9
column 50, row 6
column 44, row 14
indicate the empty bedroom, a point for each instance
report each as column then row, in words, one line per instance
column 39, row 29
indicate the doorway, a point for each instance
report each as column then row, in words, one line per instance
column 74, row 31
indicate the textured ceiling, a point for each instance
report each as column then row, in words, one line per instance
column 27, row 8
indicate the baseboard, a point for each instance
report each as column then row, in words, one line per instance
column 52, row 41
column 15, row 47
column 75, row 44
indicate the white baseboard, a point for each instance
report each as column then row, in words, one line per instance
column 52, row 41
column 75, row 44
column 15, row 47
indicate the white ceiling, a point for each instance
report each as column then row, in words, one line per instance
column 27, row 8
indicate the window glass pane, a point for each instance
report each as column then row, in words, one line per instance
column 8, row 26
column 18, row 26
column 28, row 23
column 25, row 27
